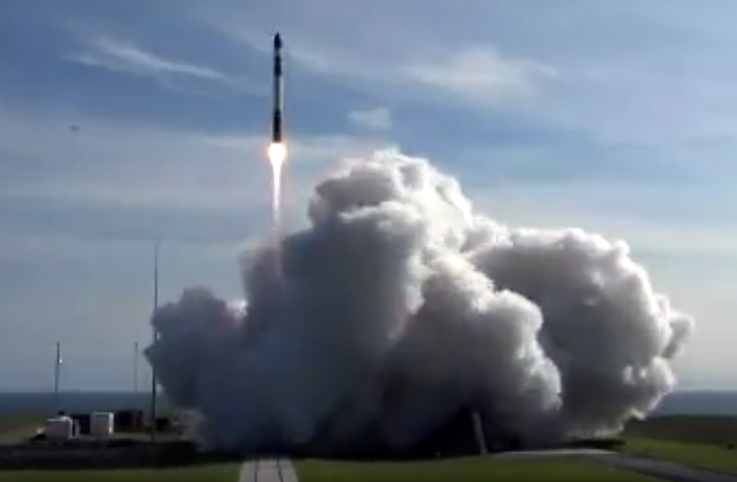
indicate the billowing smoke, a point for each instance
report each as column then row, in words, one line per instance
column 399, row 306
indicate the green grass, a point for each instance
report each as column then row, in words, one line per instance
column 463, row 470
column 204, row 473
column 14, row 422
column 695, row 455
column 696, row 440
column 14, row 428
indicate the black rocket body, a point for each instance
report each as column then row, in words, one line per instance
column 277, row 127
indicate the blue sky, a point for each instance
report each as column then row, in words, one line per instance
column 615, row 116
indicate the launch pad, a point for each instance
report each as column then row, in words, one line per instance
column 132, row 444
column 457, row 438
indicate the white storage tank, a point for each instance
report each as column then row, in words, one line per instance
column 59, row 429
column 101, row 424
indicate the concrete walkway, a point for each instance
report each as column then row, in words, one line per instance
column 662, row 469
column 271, row 470
column 282, row 470
column 532, row 454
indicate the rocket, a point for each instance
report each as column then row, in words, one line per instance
column 278, row 93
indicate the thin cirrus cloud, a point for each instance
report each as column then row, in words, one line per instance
column 379, row 118
column 120, row 164
column 673, row 59
column 129, row 58
column 482, row 73
column 479, row 73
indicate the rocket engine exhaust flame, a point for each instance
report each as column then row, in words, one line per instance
column 400, row 304
column 277, row 155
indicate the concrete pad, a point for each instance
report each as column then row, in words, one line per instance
column 530, row 454
column 267, row 470
column 663, row 469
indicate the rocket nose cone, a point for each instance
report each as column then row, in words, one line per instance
column 277, row 41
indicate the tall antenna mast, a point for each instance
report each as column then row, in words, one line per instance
column 57, row 376
column 135, row 368
column 155, row 339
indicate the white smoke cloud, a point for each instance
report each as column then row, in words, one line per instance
column 400, row 305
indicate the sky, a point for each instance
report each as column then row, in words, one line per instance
column 126, row 122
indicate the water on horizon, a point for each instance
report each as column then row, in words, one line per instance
column 71, row 402
column 692, row 402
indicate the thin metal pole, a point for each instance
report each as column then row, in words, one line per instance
column 57, row 376
column 135, row 368
column 155, row 339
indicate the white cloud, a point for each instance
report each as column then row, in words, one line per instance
column 478, row 74
column 691, row 265
column 674, row 60
column 481, row 73
column 119, row 165
column 379, row 118
column 127, row 57
column 136, row 165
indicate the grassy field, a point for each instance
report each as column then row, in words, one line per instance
column 206, row 473
column 474, row 469
column 696, row 455
column 699, row 441
column 17, row 427
column 15, row 422
column 689, row 440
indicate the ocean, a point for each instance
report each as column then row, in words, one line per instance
column 77, row 402
column 699, row 402
column 692, row 402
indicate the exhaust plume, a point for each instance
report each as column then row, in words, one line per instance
column 400, row 305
